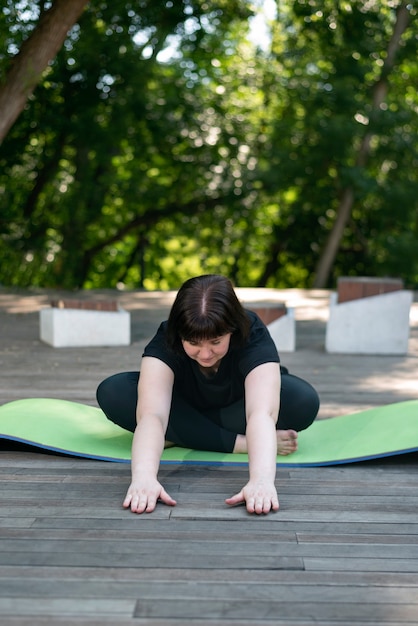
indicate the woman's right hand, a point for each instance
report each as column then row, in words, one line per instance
column 142, row 497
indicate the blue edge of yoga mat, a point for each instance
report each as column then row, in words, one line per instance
column 79, row 430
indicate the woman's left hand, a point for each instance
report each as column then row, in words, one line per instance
column 258, row 497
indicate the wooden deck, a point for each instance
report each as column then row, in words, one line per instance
column 342, row 550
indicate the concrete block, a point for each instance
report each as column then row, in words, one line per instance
column 373, row 325
column 283, row 332
column 65, row 327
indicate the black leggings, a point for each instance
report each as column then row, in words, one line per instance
column 216, row 430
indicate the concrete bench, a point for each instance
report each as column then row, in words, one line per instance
column 280, row 322
column 82, row 323
column 368, row 316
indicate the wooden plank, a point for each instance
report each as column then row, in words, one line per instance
column 172, row 552
column 289, row 513
column 146, row 524
column 356, row 538
column 143, row 534
column 98, row 559
column 83, row 621
column 172, row 549
column 284, row 577
column 113, row 495
column 16, row 523
column 260, row 610
column 94, row 607
column 50, row 482
column 75, row 509
column 361, row 564
column 218, row 511
column 355, row 287
column 204, row 590
column 397, row 503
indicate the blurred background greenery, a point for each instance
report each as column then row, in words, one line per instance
column 273, row 142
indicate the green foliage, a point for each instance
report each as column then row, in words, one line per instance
column 329, row 68
column 162, row 143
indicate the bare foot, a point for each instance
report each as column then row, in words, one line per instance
column 287, row 442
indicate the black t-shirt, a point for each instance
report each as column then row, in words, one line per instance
column 227, row 385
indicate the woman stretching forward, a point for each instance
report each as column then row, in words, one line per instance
column 210, row 380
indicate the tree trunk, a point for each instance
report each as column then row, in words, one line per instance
column 332, row 245
column 36, row 52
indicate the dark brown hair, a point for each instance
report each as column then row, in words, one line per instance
column 206, row 307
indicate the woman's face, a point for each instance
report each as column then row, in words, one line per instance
column 207, row 352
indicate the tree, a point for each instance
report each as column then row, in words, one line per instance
column 28, row 66
column 162, row 143
column 379, row 92
column 328, row 56
column 108, row 143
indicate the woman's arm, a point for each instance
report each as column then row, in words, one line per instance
column 262, row 399
column 155, row 388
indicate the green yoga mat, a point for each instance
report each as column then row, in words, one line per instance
column 79, row 430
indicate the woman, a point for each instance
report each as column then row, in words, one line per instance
column 210, row 379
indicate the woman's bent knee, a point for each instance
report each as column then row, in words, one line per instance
column 117, row 397
column 299, row 403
